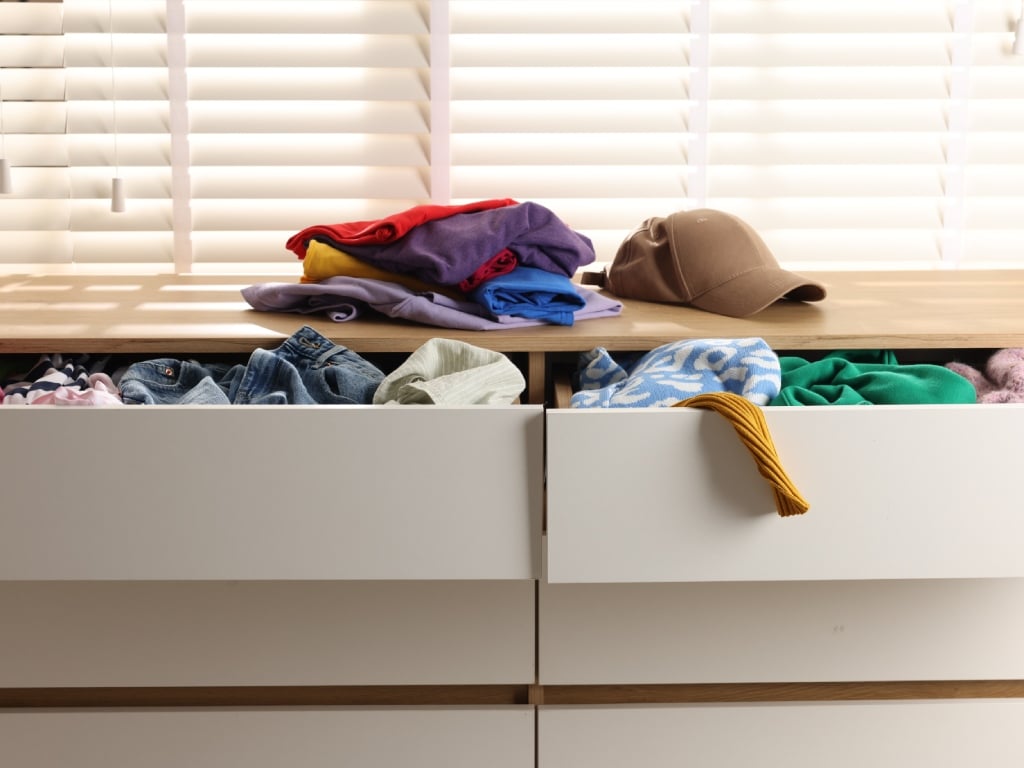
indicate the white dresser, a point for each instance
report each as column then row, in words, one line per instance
column 511, row 586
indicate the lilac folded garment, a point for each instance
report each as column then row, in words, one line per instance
column 449, row 250
column 344, row 298
column 531, row 292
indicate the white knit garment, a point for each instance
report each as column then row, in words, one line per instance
column 450, row 372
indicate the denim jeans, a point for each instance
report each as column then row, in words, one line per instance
column 306, row 369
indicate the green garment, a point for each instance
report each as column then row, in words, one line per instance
column 866, row 377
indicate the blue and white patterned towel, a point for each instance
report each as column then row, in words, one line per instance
column 676, row 371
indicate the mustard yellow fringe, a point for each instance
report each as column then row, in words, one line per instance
column 749, row 422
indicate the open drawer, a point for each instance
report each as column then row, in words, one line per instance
column 271, row 492
column 895, row 492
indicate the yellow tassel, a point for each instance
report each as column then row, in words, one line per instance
column 749, row 422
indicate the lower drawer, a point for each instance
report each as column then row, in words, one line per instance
column 765, row 632
column 95, row 634
column 269, row 738
column 846, row 735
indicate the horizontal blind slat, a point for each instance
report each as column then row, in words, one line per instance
column 228, row 18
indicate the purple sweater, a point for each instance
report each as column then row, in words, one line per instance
column 447, row 251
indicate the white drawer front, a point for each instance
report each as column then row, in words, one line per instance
column 313, row 738
column 58, row 633
column 843, row 735
column 797, row 631
column 896, row 492
column 273, row 492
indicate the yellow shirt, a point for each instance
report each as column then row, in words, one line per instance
column 323, row 261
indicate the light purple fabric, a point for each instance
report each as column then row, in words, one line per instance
column 344, row 298
column 449, row 250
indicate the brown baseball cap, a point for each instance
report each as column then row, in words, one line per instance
column 706, row 259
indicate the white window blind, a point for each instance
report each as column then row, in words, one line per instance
column 585, row 107
column 34, row 214
column 118, row 125
column 829, row 124
column 303, row 112
column 994, row 166
column 848, row 132
column 868, row 132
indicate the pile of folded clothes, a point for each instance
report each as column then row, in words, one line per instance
column 486, row 265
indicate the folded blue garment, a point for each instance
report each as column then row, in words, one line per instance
column 530, row 292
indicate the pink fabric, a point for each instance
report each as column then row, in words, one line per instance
column 1002, row 380
column 61, row 384
column 69, row 396
column 387, row 229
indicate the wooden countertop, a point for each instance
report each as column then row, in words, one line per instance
column 205, row 313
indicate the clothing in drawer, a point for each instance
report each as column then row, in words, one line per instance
column 895, row 492
column 271, row 492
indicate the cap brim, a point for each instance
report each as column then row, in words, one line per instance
column 749, row 293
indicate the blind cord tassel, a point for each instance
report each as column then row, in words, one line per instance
column 117, row 195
